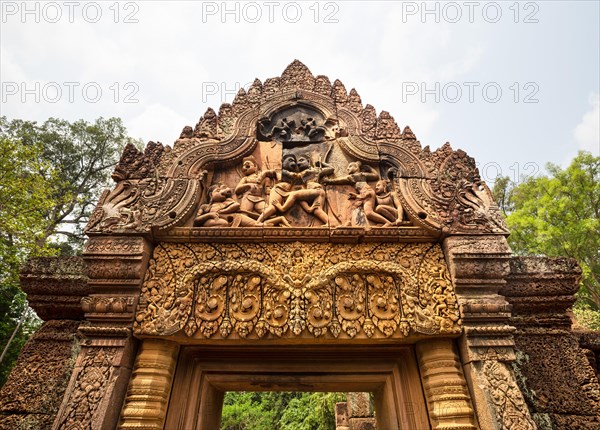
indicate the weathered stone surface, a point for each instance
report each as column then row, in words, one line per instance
column 341, row 415
column 55, row 286
column 26, row 422
column 554, row 373
column 589, row 341
column 541, row 290
column 34, row 390
column 557, row 375
column 359, row 405
column 362, row 424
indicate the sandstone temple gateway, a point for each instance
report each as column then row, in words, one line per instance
column 297, row 241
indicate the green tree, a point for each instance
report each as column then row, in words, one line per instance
column 51, row 176
column 558, row 215
column 79, row 159
column 25, row 196
column 246, row 411
column 282, row 411
column 312, row 411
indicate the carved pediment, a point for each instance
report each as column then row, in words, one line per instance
column 298, row 152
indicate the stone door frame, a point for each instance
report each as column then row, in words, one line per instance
column 182, row 387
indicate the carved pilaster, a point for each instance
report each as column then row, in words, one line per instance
column 150, row 386
column 479, row 266
column 115, row 267
column 98, row 380
column 445, row 386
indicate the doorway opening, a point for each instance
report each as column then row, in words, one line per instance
column 204, row 374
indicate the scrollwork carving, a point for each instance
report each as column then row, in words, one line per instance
column 462, row 199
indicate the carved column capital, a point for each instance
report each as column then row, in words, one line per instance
column 479, row 265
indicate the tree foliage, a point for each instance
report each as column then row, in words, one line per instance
column 283, row 411
column 78, row 160
column 558, row 215
column 51, row 176
column 25, row 196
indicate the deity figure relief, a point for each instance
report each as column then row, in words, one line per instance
column 367, row 199
column 281, row 190
column 223, row 211
column 357, row 172
column 250, row 189
column 388, row 203
column 282, row 131
column 311, row 129
column 300, row 184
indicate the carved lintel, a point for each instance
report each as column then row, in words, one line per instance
column 331, row 291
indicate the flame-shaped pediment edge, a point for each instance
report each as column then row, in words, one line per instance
column 440, row 191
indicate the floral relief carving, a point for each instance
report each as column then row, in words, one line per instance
column 297, row 289
column 90, row 386
column 500, row 385
column 102, row 304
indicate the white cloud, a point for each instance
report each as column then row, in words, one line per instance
column 155, row 123
column 587, row 132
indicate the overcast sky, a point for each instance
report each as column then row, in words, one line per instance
column 515, row 84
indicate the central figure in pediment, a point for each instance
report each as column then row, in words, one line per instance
column 299, row 176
